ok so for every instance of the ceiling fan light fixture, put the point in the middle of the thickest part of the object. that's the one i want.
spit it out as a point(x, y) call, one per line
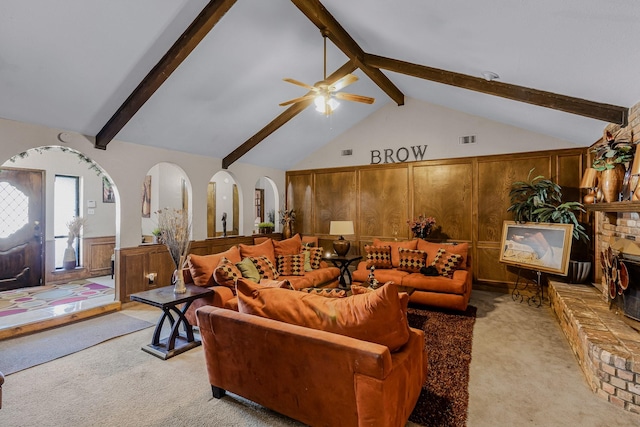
point(325, 104)
point(490, 76)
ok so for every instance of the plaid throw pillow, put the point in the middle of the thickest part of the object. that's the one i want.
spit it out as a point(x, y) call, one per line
point(412, 260)
point(446, 263)
point(315, 256)
point(226, 274)
point(378, 256)
point(290, 265)
point(265, 267)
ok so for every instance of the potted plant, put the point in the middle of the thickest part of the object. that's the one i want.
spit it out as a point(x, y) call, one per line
point(156, 234)
point(539, 199)
point(266, 227)
point(610, 158)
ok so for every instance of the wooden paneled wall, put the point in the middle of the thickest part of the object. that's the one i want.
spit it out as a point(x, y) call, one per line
point(468, 197)
point(96, 260)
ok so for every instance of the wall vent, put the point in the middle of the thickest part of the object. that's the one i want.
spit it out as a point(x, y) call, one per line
point(469, 139)
point(348, 152)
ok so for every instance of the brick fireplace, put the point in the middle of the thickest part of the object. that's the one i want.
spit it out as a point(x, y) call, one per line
point(605, 341)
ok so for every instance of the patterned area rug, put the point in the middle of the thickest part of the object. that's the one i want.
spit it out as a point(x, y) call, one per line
point(22, 300)
point(444, 398)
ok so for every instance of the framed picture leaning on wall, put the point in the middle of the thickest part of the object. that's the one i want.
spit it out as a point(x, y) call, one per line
point(537, 246)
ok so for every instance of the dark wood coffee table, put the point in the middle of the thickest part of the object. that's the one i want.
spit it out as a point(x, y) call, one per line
point(167, 300)
point(343, 262)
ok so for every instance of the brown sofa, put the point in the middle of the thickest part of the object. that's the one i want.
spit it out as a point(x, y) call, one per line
point(437, 291)
point(316, 376)
point(201, 271)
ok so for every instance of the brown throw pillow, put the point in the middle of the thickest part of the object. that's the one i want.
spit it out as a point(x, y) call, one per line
point(326, 292)
point(266, 283)
point(201, 267)
point(263, 249)
point(265, 267)
point(290, 265)
point(412, 260)
point(315, 257)
point(395, 255)
point(378, 316)
point(226, 273)
point(378, 256)
point(289, 246)
point(446, 263)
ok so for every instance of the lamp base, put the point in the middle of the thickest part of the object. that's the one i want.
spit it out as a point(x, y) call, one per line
point(341, 247)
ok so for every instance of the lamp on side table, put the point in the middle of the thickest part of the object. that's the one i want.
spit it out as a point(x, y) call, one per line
point(340, 228)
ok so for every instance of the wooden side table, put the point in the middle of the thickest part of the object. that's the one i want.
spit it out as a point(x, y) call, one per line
point(343, 262)
point(167, 300)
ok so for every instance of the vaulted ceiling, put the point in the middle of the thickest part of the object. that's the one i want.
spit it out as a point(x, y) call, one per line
point(206, 76)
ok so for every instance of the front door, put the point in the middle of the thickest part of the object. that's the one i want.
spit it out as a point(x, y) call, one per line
point(21, 228)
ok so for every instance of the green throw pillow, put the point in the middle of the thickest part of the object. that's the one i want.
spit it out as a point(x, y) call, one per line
point(307, 260)
point(249, 270)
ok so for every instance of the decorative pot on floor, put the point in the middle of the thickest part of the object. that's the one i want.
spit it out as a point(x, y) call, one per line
point(579, 271)
point(69, 258)
point(611, 183)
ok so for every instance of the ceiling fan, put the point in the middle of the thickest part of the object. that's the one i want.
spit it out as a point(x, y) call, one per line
point(324, 94)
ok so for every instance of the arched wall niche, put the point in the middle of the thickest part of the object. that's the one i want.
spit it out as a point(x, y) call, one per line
point(98, 203)
point(266, 202)
point(223, 200)
point(166, 185)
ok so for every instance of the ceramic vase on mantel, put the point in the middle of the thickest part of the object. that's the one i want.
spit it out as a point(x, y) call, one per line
point(611, 183)
point(287, 230)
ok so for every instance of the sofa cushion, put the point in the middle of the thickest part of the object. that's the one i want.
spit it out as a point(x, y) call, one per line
point(248, 270)
point(265, 248)
point(226, 273)
point(290, 265)
point(290, 246)
point(321, 276)
point(378, 256)
point(201, 267)
point(266, 268)
point(440, 284)
point(326, 292)
point(307, 260)
point(381, 275)
point(432, 249)
point(268, 283)
point(395, 255)
point(411, 260)
point(315, 257)
point(375, 317)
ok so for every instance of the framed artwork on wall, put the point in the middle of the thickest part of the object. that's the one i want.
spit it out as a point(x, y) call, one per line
point(146, 197)
point(108, 195)
point(537, 246)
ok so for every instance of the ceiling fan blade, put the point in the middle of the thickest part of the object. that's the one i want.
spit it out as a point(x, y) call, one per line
point(355, 98)
point(299, 83)
point(294, 100)
point(343, 82)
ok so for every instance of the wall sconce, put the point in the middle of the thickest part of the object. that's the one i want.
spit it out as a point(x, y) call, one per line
point(589, 180)
point(340, 228)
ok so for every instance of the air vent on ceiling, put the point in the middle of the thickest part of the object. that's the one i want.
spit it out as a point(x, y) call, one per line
point(469, 139)
point(348, 152)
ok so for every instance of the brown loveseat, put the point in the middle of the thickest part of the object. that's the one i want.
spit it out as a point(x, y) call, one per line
point(205, 270)
point(355, 362)
point(451, 290)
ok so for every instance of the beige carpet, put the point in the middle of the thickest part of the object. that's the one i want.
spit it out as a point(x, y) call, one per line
point(522, 374)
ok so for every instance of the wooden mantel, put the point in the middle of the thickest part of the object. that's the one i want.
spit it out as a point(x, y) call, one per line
point(613, 207)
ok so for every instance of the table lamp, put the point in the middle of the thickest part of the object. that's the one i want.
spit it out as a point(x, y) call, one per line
point(340, 228)
point(589, 181)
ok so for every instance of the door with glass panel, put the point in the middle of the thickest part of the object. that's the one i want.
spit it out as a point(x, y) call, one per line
point(21, 228)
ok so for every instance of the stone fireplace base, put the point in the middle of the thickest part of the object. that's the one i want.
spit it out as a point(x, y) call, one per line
point(608, 350)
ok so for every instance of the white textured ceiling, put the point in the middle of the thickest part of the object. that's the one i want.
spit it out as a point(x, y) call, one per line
point(70, 64)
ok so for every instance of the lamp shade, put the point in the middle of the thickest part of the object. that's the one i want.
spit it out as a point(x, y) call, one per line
point(589, 178)
point(341, 228)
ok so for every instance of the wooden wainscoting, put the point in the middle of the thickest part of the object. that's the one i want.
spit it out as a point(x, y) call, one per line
point(468, 197)
point(96, 260)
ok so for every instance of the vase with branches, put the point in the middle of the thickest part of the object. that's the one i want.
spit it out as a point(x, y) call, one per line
point(175, 231)
point(287, 219)
point(75, 225)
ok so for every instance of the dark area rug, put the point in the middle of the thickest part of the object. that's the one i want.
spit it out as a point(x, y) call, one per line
point(21, 353)
point(444, 398)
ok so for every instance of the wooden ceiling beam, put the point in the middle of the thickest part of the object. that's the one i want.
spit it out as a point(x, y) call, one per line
point(595, 110)
point(283, 118)
point(190, 38)
point(316, 12)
